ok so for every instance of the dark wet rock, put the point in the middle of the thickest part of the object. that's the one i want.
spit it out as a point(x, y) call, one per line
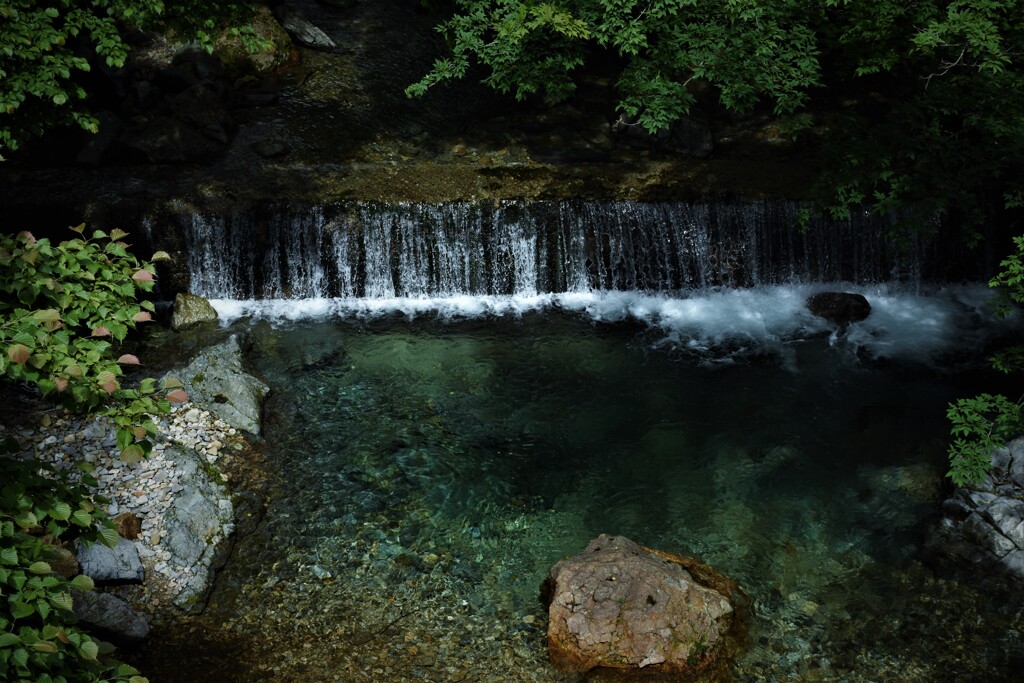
point(304, 31)
point(983, 526)
point(686, 137)
point(165, 140)
point(839, 308)
point(190, 309)
point(215, 379)
point(110, 614)
point(339, 4)
point(271, 147)
point(120, 564)
point(621, 606)
point(198, 524)
point(201, 107)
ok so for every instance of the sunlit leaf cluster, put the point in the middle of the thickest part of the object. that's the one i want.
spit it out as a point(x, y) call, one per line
point(63, 310)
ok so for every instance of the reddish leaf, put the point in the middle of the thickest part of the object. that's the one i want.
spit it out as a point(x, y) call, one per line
point(177, 396)
point(109, 387)
point(142, 316)
point(100, 331)
point(19, 353)
point(128, 359)
point(29, 237)
point(61, 383)
point(139, 432)
point(142, 275)
point(78, 228)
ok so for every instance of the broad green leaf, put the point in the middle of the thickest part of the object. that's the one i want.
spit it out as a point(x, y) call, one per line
point(40, 567)
point(20, 609)
point(83, 582)
point(8, 556)
point(62, 601)
point(60, 511)
point(45, 646)
point(81, 518)
point(8, 639)
point(26, 520)
point(109, 537)
point(89, 650)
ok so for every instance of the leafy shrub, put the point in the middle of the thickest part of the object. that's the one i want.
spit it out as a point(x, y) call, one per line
point(39, 639)
point(60, 306)
point(44, 48)
point(62, 309)
point(987, 421)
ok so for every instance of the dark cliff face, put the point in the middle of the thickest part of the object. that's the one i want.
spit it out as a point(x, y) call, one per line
point(334, 125)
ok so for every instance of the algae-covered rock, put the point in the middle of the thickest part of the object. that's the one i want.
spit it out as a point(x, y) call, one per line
point(189, 310)
point(199, 524)
point(215, 378)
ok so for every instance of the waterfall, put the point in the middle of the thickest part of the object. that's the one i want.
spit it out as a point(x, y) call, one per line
point(382, 251)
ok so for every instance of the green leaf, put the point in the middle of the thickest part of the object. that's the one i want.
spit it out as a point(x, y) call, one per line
point(8, 639)
point(8, 556)
point(109, 537)
point(60, 511)
point(89, 650)
point(82, 582)
point(26, 520)
point(81, 518)
point(62, 601)
point(40, 567)
point(20, 657)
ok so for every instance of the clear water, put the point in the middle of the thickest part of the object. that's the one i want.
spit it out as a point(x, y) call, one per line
point(429, 469)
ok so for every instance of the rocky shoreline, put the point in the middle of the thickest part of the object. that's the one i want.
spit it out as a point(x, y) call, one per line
point(153, 491)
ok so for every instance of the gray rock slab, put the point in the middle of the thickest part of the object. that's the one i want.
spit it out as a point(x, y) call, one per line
point(110, 613)
point(216, 380)
point(198, 524)
point(109, 565)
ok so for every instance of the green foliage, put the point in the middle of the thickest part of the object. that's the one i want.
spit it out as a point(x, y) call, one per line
point(980, 425)
point(39, 638)
point(986, 422)
point(923, 101)
point(746, 50)
point(62, 309)
point(45, 47)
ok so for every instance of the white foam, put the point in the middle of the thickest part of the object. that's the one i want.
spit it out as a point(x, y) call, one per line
point(903, 324)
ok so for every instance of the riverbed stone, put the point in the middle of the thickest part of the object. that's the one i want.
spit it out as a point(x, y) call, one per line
point(215, 378)
point(620, 606)
point(119, 564)
point(111, 614)
point(983, 525)
point(191, 309)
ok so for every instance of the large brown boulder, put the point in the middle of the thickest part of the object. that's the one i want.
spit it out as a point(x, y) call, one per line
point(621, 606)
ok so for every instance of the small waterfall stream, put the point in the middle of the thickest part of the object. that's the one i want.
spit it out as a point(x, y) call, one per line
point(527, 248)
